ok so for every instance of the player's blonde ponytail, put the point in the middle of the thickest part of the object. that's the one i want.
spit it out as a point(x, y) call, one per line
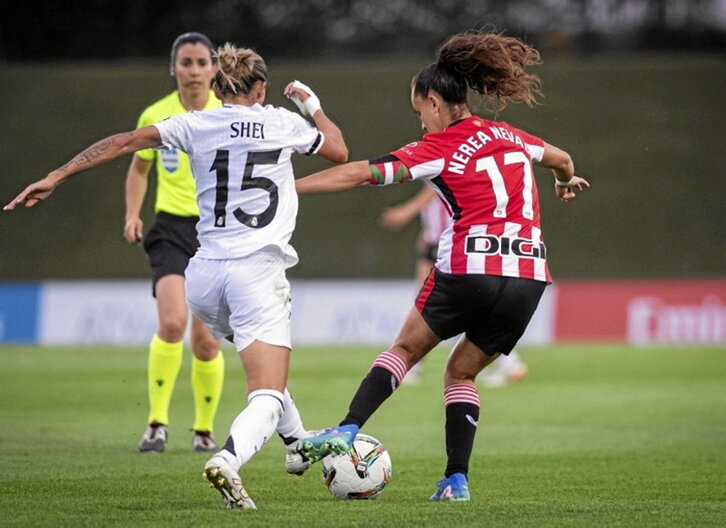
point(238, 69)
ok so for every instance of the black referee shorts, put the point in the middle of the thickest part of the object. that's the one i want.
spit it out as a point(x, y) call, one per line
point(492, 311)
point(169, 245)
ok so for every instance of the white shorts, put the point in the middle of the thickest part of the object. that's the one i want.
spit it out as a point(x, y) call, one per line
point(246, 299)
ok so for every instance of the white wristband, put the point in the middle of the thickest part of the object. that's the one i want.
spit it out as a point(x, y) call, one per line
point(310, 105)
point(562, 184)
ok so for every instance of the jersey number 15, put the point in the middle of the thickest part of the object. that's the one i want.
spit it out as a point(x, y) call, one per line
point(221, 167)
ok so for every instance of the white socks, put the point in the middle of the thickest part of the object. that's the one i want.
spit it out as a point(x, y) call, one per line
point(291, 425)
point(256, 423)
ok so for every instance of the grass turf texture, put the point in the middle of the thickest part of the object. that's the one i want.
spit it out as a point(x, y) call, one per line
point(606, 436)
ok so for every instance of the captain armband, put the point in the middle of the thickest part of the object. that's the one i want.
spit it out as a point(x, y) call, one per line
point(387, 170)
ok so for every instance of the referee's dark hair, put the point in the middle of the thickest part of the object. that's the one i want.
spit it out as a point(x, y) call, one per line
point(192, 37)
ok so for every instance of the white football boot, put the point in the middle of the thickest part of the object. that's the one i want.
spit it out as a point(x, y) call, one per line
point(295, 462)
point(221, 475)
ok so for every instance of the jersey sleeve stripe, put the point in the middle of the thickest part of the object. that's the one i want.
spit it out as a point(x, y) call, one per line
point(536, 152)
point(316, 145)
point(448, 196)
point(427, 170)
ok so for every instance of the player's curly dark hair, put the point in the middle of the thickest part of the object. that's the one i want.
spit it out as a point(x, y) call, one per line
point(238, 69)
point(492, 64)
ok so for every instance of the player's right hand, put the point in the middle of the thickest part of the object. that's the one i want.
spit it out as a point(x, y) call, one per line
point(134, 230)
point(32, 194)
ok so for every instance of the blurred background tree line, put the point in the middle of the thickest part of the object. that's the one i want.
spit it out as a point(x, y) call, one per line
point(634, 90)
point(101, 29)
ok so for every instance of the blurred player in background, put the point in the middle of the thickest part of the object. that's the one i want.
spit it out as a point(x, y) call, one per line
point(235, 283)
point(169, 244)
point(491, 269)
point(435, 218)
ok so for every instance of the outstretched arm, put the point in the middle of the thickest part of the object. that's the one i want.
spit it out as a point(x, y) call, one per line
point(97, 154)
point(381, 171)
point(334, 179)
point(564, 171)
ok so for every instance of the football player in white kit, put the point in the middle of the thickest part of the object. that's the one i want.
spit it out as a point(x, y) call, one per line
point(235, 283)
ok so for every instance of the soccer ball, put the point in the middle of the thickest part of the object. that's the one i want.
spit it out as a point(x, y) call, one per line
point(361, 474)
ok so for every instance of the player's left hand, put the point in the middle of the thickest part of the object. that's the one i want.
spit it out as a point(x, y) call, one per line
point(566, 193)
point(33, 193)
point(303, 96)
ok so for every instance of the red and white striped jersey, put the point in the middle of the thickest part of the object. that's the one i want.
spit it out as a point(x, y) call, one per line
point(482, 170)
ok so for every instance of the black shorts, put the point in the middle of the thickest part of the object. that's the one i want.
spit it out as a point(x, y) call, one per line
point(492, 311)
point(169, 244)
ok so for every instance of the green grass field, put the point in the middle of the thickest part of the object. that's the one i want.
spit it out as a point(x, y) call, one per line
point(595, 436)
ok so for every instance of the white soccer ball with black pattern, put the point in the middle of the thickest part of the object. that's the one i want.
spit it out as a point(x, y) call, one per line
point(361, 474)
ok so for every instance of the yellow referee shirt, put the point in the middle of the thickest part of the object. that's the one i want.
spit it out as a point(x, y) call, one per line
point(175, 193)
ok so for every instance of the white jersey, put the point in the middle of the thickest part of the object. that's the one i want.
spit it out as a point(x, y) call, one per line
point(245, 186)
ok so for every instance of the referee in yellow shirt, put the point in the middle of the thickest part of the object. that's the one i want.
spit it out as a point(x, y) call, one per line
point(169, 244)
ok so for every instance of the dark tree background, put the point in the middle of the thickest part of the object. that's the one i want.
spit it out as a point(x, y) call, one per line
point(634, 91)
point(104, 29)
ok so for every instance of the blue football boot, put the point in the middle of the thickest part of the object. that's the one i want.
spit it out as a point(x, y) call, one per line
point(334, 441)
point(453, 488)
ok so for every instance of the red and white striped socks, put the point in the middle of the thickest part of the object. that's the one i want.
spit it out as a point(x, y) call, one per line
point(462, 420)
point(461, 393)
point(382, 380)
point(393, 364)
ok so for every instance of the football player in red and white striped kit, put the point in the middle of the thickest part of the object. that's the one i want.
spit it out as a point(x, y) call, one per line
point(435, 218)
point(491, 269)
